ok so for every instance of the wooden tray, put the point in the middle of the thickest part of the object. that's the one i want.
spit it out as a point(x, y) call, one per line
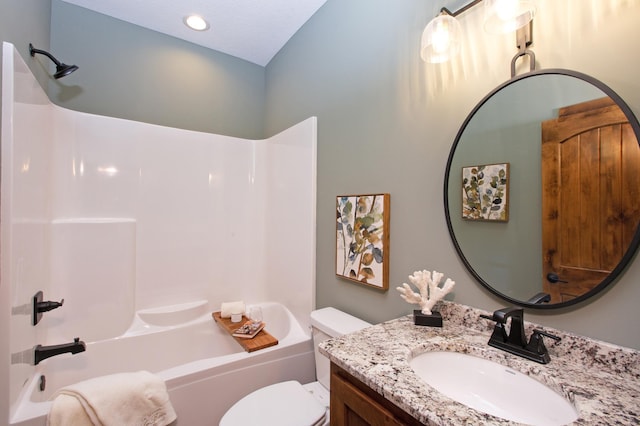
point(261, 341)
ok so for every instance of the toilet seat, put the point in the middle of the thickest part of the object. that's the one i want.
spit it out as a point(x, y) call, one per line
point(281, 404)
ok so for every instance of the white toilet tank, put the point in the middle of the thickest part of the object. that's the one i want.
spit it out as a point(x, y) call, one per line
point(327, 323)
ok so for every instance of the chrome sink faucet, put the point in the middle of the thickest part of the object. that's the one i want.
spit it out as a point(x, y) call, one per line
point(515, 340)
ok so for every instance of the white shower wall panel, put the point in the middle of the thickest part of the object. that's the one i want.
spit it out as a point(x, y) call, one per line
point(26, 206)
point(93, 269)
point(199, 201)
point(31, 196)
point(290, 205)
point(96, 167)
point(236, 192)
point(25, 203)
point(30, 202)
point(195, 203)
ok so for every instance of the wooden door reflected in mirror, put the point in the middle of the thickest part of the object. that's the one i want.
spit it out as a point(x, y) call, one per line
point(590, 181)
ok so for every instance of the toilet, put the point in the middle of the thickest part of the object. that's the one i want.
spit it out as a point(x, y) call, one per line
point(291, 403)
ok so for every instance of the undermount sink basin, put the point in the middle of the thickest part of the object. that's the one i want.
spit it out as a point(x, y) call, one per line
point(493, 388)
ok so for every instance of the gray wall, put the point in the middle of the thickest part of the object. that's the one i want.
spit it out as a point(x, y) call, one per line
point(386, 122)
point(130, 72)
point(21, 22)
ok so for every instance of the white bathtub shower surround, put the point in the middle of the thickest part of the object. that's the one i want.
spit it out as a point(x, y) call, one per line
point(118, 217)
point(208, 209)
point(204, 368)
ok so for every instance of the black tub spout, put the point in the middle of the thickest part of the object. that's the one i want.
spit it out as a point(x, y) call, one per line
point(43, 352)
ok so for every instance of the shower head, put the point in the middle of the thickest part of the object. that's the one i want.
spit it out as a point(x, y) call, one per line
point(61, 69)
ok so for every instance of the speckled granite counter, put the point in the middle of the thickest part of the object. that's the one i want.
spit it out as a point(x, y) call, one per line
point(601, 380)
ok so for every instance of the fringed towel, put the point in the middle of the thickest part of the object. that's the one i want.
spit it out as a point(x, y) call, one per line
point(123, 399)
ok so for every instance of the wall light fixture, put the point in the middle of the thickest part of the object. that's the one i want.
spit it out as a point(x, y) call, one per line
point(442, 37)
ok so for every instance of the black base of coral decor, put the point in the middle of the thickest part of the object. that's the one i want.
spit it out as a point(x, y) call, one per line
point(433, 320)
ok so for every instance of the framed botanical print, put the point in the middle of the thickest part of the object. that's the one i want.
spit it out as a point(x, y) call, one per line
point(485, 192)
point(362, 239)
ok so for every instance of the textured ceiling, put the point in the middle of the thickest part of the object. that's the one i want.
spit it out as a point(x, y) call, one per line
point(253, 30)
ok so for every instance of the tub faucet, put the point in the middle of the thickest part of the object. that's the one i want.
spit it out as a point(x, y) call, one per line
point(515, 340)
point(43, 352)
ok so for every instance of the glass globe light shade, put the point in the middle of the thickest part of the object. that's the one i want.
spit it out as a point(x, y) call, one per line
point(502, 16)
point(441, 39)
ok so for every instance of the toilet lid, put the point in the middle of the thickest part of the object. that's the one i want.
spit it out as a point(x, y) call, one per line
point(282, 404)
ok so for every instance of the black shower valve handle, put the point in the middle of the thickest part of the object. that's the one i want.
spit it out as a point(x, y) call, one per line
point(40, 306)
point(49, 305)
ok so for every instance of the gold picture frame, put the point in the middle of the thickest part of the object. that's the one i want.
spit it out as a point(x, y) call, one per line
point(362, 239)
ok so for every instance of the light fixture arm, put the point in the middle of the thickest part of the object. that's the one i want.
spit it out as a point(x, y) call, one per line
point(524, 39)
point(461, 10)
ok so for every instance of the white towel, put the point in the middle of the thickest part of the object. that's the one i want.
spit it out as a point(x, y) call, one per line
point(123, 399)
point(228, 308)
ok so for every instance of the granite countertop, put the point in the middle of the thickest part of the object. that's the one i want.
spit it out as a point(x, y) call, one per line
point(600, 379)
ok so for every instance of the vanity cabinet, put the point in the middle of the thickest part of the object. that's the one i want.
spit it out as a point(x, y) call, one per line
point(355, 404)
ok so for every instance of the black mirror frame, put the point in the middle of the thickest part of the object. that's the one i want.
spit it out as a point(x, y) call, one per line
point(633, 246)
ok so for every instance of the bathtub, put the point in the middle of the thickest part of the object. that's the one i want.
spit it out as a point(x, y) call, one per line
point(204, 368)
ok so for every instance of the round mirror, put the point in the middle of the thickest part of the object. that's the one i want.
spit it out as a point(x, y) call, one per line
point(541, 189)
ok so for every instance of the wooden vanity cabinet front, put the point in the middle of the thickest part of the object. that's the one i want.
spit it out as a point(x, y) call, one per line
point(355, 404)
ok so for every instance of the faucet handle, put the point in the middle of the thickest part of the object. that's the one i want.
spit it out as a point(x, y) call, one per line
point(501, 315)
point(536, 343)
point(538, 331)
point(499, 332)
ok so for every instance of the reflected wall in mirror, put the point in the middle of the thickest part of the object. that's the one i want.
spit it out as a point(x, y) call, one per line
point(574, 162)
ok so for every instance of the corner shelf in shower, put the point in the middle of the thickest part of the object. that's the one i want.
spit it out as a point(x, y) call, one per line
point(261, 341)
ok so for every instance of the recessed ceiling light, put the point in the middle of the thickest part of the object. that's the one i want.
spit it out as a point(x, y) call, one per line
point(196, 22)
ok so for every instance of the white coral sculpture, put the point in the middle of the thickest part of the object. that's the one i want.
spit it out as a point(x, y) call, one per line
point(428, 285)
